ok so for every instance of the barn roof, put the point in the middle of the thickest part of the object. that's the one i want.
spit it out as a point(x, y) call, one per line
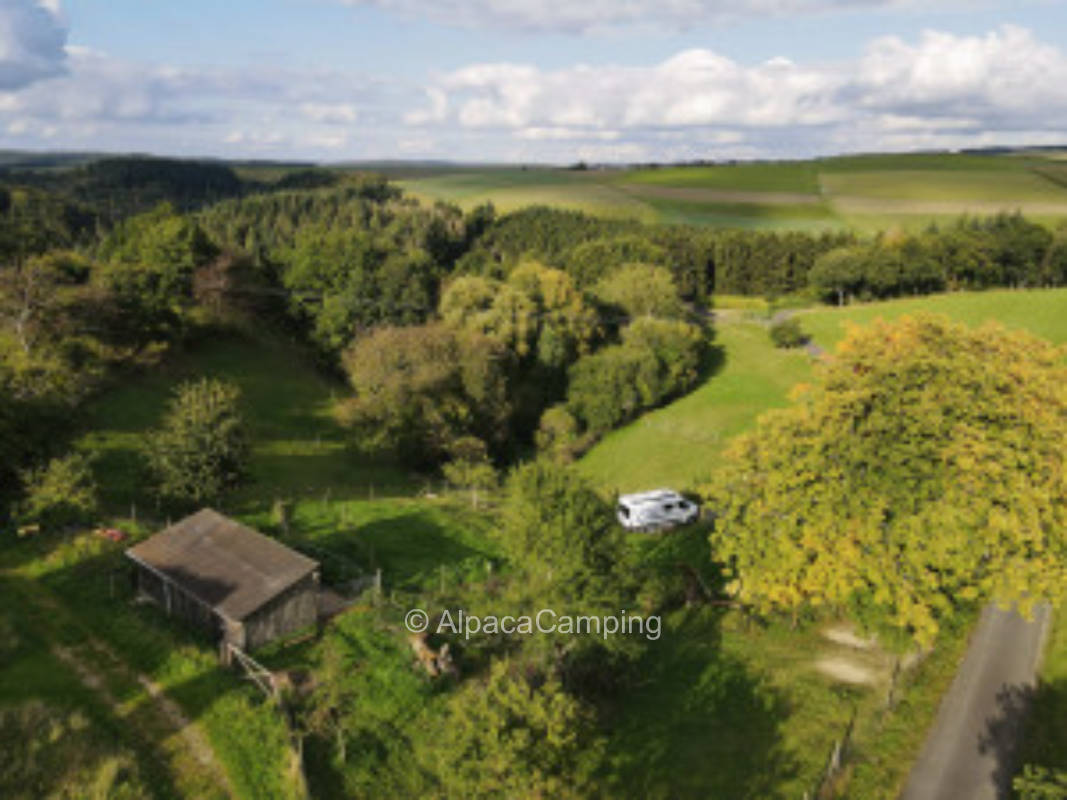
point(222, 563)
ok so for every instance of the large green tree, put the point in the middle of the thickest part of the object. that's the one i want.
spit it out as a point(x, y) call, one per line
point(562, 541)
point(419, 388)
point(926, 467)
point(641, 290)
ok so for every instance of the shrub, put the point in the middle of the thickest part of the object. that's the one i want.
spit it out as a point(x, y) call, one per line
point(657, 359)
point(470, 467)
point(61, 493)
point(788, 333)
point(557, 434)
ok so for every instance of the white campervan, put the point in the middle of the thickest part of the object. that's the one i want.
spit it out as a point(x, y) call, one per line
point(649, 511)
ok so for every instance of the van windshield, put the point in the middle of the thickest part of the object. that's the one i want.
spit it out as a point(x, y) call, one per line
point(624, 511)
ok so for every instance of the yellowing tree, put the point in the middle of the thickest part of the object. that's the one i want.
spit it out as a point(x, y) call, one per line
point(924, 468)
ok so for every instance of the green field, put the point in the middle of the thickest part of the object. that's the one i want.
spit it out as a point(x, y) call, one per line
point(786, 176)
point(509, 189)
point(865, 193)
point(1045, 738)
point(680, 444)
point(299, 449)
point(1041, 311)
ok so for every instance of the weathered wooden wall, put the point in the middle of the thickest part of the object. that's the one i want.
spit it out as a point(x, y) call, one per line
point(293, 609)
point(176, 603)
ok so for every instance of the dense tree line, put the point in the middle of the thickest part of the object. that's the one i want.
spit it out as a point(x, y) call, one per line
point(119, 187)
point(702, 261)
point(1006, 250)
point(348, 258)
point(506, 353)
point(33, 221)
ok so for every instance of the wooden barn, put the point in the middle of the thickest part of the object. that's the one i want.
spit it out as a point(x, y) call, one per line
point(236, 583)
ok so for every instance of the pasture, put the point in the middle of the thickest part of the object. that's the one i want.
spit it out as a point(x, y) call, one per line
point(298, 450)
point(864, 193)
point(510, 189)
point(679, 445)
point(1043, 312)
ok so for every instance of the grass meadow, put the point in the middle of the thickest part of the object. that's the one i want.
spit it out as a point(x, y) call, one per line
point(298, 447)
point(680, 445)
point(1045, 735)
point(1043, 312)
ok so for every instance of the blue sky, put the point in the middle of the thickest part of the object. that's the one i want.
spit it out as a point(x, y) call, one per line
point(531, 80)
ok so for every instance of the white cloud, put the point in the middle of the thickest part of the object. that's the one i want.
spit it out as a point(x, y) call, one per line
point(570, 17)
point(935, 90)
point(192, 109)
point(32, 37)
point(325, 141)
point(942, 87)
point(694, 88)
point(1007, 69)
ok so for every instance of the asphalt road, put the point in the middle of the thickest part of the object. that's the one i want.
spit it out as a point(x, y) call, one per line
point(969, 753)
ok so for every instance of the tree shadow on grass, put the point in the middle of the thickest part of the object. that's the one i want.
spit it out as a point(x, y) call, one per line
point(713, 361)
point(699, 724)
point(409, 547)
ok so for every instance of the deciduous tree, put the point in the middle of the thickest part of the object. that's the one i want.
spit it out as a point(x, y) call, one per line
point(201, 449)
point(516, 737)
point(927, 467)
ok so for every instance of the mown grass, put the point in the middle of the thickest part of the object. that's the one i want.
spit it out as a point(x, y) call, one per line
point(681, 444)
point(1043, 312)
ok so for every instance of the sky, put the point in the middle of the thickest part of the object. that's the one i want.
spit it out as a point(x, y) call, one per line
point(530, 81)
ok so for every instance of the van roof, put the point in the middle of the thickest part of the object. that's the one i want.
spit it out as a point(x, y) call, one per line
point(654, 496)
